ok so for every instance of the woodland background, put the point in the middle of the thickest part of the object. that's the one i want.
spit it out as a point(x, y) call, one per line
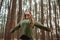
point(46, 12)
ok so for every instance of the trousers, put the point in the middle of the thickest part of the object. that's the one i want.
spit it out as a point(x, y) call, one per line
point(24, 37)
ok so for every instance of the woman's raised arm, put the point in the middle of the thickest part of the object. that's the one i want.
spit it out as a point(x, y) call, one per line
point(39, 25)
point(15, 28)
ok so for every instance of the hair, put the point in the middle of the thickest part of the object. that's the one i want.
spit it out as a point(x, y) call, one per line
point(31, 17)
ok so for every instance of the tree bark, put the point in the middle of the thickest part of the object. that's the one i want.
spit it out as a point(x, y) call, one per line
point(56, 26)
point(30, 4)
point(7, 25)
point(42, 21)
point(36, 36)
point(1, 4)
point(10, 20)
point(58, 2)
point(50, 18)
point(19, 17)
point(47, 33)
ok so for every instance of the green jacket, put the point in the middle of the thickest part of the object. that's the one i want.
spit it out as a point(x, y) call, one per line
point(26, 27)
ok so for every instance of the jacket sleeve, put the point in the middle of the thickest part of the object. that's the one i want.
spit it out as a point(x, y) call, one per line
point(39, 25)
point(15, 28)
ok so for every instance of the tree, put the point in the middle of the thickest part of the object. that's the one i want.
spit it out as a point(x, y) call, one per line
point(56, 26)
point(30, 4)
point(7, 25)
point(36, 36)
point(50, 18)
point(1, 4)
point(47, 33)
point(58, 2)
point(19, 16)
point(42, 21)
point(10, 20)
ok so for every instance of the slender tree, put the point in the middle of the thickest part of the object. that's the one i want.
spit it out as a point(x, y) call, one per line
point(10, 20)
point(19, 17)
point(7, 25)
point(58, 23)
point(39, 16)
point(47, 33)
point(13, 13)
point(36, 37)
point(30, 4)
point(50, 17)
point(58, 2)
point(57, 15)
point(42, 21)
point(1, 4)
point(56, 26)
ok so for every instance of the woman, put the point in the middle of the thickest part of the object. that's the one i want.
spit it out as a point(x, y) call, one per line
point(26, 25)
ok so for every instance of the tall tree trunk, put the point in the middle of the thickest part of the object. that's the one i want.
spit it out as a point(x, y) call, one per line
point(10, 20)
point(19, 17)
point(58, 2)
point(58, 23)
point(4, 20)
point(50, 18)
point(56, 26)
point(30, 4)
point(13, 13)
point(39, 16)
point(1, 4)
point(42, 21)
point(47, 33)
point(57, 15)
point(20, 11)
point(7, 29)
point(36, 36)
